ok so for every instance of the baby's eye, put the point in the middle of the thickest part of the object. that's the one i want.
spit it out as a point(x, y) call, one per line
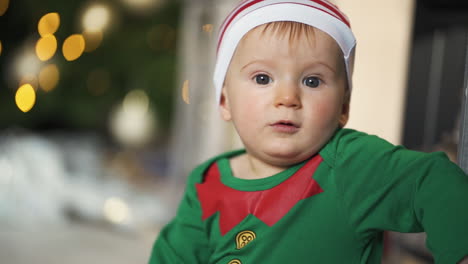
point(312, 81)
point(262, 79)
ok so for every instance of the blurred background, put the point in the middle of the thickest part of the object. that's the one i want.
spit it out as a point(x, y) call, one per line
point(106, 106)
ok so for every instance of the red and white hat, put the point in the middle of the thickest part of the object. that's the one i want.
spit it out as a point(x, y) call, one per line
point(249, 14)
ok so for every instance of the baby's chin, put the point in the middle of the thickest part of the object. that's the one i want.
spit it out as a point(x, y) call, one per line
point(286, 158)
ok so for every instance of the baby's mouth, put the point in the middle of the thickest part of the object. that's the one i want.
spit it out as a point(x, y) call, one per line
point(286, 123)
point(285, 126)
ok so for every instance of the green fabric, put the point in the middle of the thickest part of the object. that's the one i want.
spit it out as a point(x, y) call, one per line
point(369, 186)
point(256, 184)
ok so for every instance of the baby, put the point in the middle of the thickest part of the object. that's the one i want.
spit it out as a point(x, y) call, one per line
point(304, 189)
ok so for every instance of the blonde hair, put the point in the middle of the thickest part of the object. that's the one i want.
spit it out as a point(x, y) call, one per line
point(289, 28)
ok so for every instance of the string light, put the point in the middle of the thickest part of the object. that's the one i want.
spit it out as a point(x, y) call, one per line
point(73, 47)
point(49, 77)
point(46, 47)
point(25, 97)
point(48, 24)
point(96, 18)
point(132, 122)
point(116, 210)
point(26, 63)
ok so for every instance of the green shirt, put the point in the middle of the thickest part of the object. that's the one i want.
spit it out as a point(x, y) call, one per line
point(361, 186)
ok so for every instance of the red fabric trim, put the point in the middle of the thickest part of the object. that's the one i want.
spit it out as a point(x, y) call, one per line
point(269, 205)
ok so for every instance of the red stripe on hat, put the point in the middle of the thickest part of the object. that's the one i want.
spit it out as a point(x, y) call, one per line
point(239, 10)
point(335, 10)
point(245, 4)
point(336, 13)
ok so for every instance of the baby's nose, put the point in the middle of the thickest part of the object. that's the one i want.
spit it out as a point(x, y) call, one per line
point(288, 95)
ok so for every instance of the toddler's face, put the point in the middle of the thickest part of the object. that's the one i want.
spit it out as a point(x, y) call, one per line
point(286, 97)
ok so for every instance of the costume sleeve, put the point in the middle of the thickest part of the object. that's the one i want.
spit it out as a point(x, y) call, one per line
point(184, 239)
point(441, 206)
point(387, 187)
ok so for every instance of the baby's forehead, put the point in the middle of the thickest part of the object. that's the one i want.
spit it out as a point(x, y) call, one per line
point(295, 33)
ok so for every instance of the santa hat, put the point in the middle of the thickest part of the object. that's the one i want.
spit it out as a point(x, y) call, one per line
point(249, 14)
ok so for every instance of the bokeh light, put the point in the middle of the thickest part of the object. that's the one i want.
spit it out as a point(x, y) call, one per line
point(46, 47)
point(143, 6)
point(25, 97)
point(116, 210)
point(92, 40)
point(96, 18)
point(136, 99)
point(208, 28)
point(99, 81)
point(186, 92)
point(73, 47)
point(3, 6)
point(49, 77)
point(48, 24)
point(26, 63)
point(132, 123)
point(1, 47)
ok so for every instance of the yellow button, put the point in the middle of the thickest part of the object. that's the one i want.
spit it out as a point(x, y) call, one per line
point(235, 261)
point(244, 238)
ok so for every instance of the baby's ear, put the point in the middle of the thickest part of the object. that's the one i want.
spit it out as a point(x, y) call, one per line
point(224, 107)
point(344, 115)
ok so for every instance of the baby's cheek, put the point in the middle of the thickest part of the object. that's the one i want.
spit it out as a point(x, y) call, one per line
point(247, 112)
point(327, 113)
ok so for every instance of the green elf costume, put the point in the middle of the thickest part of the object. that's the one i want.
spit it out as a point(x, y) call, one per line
point(332, 208)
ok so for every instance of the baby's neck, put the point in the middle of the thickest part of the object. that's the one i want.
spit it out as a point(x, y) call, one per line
point(247, 167)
